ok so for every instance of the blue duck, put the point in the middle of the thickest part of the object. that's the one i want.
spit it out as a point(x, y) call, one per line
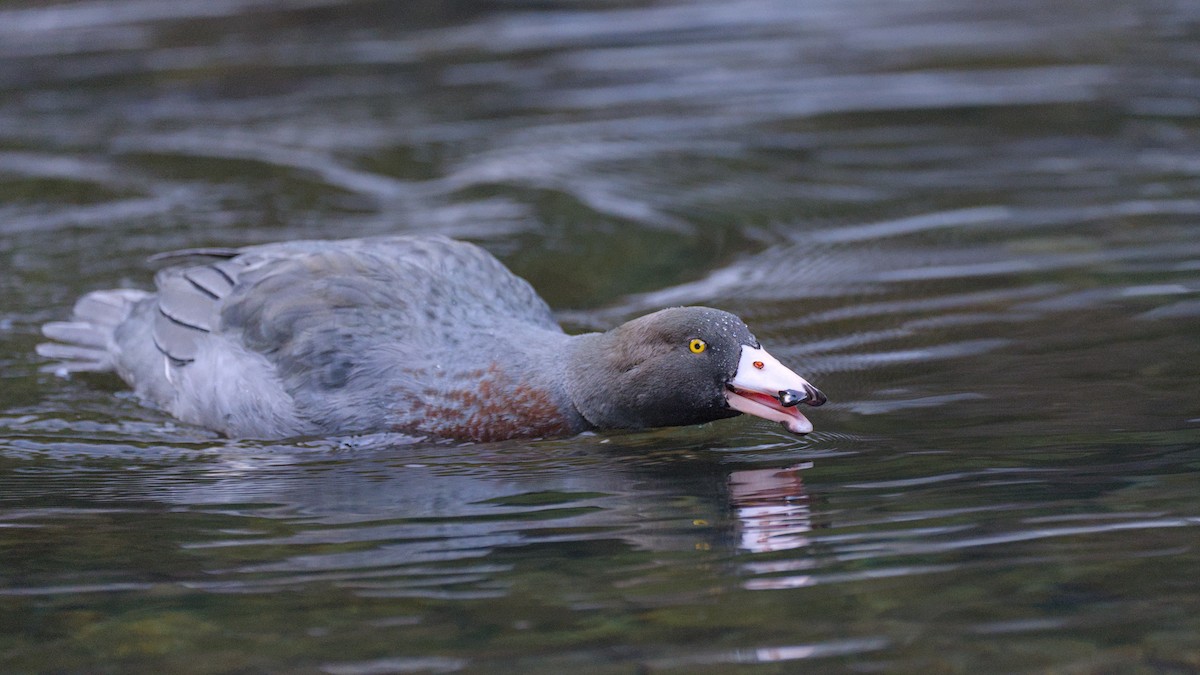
point(418, 334)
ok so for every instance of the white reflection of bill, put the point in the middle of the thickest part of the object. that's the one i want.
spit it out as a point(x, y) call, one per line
point(772, 508)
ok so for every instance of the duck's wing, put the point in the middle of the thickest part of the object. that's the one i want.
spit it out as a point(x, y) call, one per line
point(322, 311)
point(421, 288)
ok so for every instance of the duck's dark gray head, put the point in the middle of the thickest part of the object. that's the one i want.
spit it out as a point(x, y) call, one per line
point(684, 365)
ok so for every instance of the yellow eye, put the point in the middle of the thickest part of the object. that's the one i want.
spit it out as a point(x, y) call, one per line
point(697, 345)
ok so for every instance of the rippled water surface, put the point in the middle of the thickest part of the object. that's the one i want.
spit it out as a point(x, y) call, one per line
point(975, 227)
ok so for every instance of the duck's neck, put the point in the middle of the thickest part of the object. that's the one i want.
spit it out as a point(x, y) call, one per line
point(588, 370)
point(607, 384)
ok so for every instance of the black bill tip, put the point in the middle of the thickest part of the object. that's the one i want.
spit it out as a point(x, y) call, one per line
point(811, 395)
point(790, 397)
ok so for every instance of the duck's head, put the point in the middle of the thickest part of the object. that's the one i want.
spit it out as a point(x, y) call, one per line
point(684, 365)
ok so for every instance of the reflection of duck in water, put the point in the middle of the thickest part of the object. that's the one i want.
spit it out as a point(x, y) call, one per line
point(772, 508)
point(401, 519)
point(418, 334)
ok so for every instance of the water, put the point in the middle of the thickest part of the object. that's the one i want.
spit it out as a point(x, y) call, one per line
point(976, 229)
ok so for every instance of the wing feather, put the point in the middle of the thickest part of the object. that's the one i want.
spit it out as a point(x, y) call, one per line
point(189, 306)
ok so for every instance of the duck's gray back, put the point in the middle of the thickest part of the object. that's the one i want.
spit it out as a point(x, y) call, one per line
point(428, 290)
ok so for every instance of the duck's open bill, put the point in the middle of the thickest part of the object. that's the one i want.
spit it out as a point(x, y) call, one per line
point(764, 387)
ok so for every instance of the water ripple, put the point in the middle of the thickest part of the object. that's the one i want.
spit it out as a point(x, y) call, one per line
point(397, 665)
point(910, 548)
point(981, 215)
point(775, 654)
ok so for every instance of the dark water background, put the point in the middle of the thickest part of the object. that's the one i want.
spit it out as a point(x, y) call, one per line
point(976, 226)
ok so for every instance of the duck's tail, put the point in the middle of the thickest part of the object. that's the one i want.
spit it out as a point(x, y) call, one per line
point(85, 343)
